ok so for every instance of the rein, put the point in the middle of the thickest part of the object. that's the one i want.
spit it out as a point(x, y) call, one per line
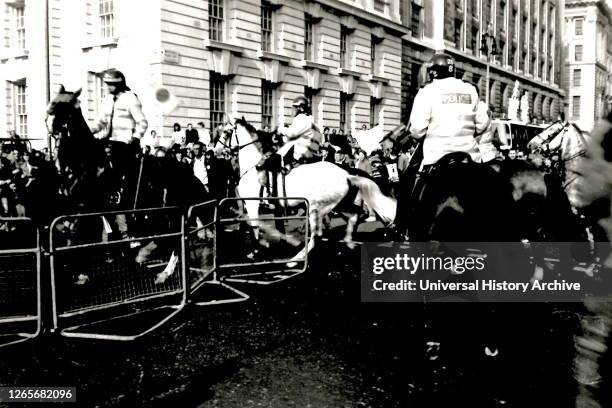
point(236, 150)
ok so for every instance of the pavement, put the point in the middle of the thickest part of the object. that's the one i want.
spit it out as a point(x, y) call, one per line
point(311, 342)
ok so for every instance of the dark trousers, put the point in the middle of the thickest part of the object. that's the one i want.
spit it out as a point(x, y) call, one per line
point(123, 159)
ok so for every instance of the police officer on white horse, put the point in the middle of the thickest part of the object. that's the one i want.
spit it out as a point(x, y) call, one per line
point(303, 139)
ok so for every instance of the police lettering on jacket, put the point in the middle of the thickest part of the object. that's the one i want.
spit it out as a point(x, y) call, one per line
point(446, 112)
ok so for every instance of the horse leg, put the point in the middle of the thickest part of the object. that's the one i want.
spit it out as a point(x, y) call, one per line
point(350, 227)
point(313, 217)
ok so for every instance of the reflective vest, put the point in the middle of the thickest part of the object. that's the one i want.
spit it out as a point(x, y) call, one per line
point(445, 111)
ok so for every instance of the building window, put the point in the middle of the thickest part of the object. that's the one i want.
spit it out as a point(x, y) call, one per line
point(415, 20)
point(374, 54)
point(343, 51)
point(577, 77)
point(217, 100)
point(374, 111)
point(373, 51)
point(576, 107)
point(266, 28)
point(457, 32)
point(308, 38)
point(343, 111)
point(501, 52)
point(578, 53)
point(97, 93)
point(309, 94)
point(543, 70)
point(215, 20)
point(474, 40)
point(19, 109)
point(379, 5)
point(267, 105)
point(20, 32)
point(551, 73)
point(107, 18)
point(578, 26)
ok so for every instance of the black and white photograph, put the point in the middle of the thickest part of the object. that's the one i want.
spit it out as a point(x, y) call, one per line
point(306, 203)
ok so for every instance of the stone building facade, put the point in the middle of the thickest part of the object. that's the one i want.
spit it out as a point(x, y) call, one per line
point(527, 37)
point(587, 74)
point(217, 57)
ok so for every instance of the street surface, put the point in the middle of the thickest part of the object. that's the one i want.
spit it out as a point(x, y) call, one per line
point(310, 342)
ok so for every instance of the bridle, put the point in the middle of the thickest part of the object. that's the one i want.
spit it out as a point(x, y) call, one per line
point(235, 150)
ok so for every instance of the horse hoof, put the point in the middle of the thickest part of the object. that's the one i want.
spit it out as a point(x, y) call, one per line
point(350, 244)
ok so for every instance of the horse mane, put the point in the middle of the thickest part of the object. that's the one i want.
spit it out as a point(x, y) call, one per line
point(243, 122)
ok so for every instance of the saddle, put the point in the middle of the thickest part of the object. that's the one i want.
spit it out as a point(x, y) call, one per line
point(423, 191)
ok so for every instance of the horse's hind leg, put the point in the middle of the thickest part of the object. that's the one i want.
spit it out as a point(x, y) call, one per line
point(313, 218)
point(350, 227)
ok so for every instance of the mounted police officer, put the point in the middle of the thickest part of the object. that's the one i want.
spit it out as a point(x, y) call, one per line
point(447, 117)
point(446, 113)
point(302, 137)
point(121, 121)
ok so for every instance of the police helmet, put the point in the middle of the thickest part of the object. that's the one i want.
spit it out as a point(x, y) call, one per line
point(112, 76)
point(301, 104)
point(442, 66)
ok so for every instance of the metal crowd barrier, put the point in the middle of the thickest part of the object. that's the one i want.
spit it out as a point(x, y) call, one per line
point(120, 275)
point(20, 288)
point(234, 252)
point(105, 285)
point(205, 286)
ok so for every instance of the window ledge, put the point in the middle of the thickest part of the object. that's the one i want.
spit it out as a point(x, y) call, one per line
point(14, 54)
point(217, 45)
point(348, 72)
point(377, 78)
point(100, 42)
point(314, 65)
point(266, 55)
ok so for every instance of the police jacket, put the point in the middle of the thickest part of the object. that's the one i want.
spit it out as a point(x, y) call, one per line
point(445, 113)
point(306, 138)
point(125, 112)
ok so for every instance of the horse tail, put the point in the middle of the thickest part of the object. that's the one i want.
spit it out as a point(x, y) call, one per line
point(384, 206)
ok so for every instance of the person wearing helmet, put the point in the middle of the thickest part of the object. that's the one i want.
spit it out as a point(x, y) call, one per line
point(303, 138)
point(446, 113)
point(121, 118)
point(123, 124)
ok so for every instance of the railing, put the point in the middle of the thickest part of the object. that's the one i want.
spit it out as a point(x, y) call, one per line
point(20, 285)
point(113, 266)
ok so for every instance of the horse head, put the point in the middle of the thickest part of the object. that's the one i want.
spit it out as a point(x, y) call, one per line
point(62, 109)
point(596, 169)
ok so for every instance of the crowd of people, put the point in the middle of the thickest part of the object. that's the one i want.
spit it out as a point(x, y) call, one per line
point(123, 125)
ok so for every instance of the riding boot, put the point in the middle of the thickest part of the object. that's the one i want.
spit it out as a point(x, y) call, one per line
point(416, 219)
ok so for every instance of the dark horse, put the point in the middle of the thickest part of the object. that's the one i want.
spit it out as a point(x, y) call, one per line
point(464, 201)
point(91, 184)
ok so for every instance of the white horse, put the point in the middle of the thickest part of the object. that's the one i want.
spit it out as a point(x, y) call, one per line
point(568, 141)
point(324, 185)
